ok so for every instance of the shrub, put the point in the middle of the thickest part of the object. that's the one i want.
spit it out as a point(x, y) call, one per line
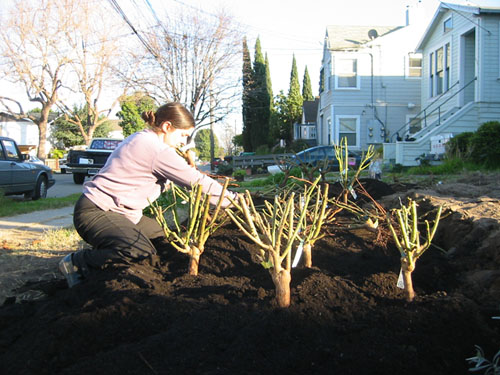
point(225, 169)
point(56, 154)
point(459, 146)
point(486, 144)
point(239, 174)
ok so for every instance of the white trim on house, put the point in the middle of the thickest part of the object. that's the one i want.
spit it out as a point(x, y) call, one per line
point(408, 58)
point(341, 66)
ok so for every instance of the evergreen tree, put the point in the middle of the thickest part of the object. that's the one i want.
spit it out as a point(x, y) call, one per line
point(246, 99)
point(306, 87)
point(261, 103)
point(131, 109)
point(294, 102)
point(202, 141)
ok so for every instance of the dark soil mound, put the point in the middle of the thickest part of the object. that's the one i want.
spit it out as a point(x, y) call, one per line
point(347, 316)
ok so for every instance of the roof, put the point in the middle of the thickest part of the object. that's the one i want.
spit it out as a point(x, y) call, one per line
point(310, 110)
point(342, 37)
point(444, 7)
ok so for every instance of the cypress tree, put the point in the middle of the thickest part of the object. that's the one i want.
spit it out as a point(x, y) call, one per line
point(246, 99)
point(294, 101)
point(261, 100)
point(306, 87)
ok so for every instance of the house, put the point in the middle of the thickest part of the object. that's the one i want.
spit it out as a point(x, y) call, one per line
point(369, 83)
point(306, 129)
point(460, 87)
point(23, 131)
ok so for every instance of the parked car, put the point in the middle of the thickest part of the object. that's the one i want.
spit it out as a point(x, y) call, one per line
point(315, 155)
point(83, 163)
point(20, 176)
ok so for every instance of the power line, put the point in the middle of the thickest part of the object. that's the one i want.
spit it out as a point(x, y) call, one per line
point(129, 23)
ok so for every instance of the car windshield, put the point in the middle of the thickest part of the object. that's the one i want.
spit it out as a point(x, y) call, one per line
point(105, 144)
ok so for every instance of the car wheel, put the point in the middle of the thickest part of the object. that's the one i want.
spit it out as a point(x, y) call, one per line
point(78, 178)
point(40, 188)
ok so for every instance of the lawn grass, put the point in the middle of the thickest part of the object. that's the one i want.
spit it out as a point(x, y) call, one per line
point(11, 206)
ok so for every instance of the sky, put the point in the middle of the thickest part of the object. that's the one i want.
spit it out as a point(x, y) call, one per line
point(297, 27)
point(292, 27)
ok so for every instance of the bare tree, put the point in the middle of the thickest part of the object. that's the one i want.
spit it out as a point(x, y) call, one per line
point(33, 56)
point(226, 137)
point(193, 58)
point(96, 45)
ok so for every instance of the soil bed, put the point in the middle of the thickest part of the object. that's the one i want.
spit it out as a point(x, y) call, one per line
point(347, 315)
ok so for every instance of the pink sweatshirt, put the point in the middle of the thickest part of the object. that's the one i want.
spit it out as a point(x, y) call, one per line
point(138, 170)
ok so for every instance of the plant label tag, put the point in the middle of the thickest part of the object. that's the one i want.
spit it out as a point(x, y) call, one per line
point(401, 282)
point(353, 193)
point(298, 254)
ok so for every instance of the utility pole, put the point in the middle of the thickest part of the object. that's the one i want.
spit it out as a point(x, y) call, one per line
point(212, 140)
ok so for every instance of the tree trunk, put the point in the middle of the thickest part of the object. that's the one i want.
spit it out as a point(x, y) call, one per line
point(194, 260)
point(42, 132)
point(281, 280)
point(407, 270)
point(307, 253)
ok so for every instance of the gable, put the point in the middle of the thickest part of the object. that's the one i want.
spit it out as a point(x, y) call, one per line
point(345, 37)
point(470, 12)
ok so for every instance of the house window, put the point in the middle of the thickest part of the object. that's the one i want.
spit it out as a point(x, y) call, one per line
point(414, 65)
point(439, 72)
point(312, 132)
point(348, 127)
point(447, 25)
point(431, 74)
point(346, 74)
point(447, 63)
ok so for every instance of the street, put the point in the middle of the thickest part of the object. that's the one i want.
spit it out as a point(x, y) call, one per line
point(64, 186)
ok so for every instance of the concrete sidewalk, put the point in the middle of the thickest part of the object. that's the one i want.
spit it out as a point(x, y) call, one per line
point(31, 225)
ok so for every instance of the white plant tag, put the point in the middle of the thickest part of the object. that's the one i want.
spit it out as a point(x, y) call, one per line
point(298, 254)
point(353, 193)
point(401, 282)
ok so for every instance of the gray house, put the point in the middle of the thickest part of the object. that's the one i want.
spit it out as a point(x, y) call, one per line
point(370, 83)
point(460, 87)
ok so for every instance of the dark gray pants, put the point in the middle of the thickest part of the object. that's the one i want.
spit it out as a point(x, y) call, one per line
point(115, 239)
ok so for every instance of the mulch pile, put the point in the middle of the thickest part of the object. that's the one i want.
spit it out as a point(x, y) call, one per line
point(347, 315)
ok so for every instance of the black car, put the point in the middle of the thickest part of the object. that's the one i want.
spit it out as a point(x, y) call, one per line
point(20, 176)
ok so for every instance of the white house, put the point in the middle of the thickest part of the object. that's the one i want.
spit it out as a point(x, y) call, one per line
point(460, 78)
point(24, 132)
point(370, 83)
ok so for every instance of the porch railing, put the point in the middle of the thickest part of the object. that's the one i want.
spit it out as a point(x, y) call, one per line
point(426, 113)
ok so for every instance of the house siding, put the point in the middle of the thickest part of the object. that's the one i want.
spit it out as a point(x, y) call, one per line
point(490, 64)
point(385, 96)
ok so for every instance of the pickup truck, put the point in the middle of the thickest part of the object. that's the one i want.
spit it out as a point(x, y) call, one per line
point(88, 162)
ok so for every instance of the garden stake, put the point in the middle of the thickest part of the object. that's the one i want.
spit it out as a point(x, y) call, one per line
point(409, 245)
